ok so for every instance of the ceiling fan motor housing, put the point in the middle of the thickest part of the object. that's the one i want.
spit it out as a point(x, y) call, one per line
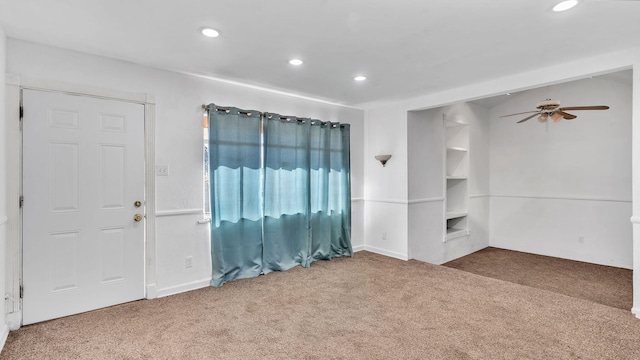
point(548, 104)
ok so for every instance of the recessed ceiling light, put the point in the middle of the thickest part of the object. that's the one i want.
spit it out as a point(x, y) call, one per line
point(295, 62)
point(565, 5)
point(209, 32)
point(360, 78)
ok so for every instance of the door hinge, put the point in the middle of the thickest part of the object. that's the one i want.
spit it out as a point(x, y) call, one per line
point(21, 291)
point(21, 201)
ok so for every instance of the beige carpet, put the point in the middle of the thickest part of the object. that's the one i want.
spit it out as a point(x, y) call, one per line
point(366, 307)
point(602, 284)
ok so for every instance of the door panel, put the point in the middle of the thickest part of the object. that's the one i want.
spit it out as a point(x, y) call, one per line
point(83, 161)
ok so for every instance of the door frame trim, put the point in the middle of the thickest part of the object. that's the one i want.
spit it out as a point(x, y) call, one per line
point(14, 85)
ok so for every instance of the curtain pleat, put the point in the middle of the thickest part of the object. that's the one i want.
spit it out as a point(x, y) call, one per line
point(236, 188)
point(342, 247)
point(331, 200)
point(286, 193)
point(279, 203)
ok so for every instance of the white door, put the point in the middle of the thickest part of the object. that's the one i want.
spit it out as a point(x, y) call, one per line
point(83, 161)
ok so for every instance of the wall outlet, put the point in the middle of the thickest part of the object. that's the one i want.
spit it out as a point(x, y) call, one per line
point(188, 261)
point(162, 170)
point(581, 239)
point(384, 235)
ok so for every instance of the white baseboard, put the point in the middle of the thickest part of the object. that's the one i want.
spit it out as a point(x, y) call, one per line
point(388, 253)
point(358, 248)
point(3, 336)
point(14, 320)
point(152, 291)
point(194, 285)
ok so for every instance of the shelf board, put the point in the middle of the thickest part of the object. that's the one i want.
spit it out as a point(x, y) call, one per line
point(457, 149)
point(455, 214)
point(452, 123)
point(454, 233)
point(452, 177)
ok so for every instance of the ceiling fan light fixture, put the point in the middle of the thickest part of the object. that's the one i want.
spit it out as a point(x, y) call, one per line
point(556, 117)
point(565, 5)
point(543, 117)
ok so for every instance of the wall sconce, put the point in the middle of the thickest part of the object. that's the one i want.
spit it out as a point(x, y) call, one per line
point(383, 159)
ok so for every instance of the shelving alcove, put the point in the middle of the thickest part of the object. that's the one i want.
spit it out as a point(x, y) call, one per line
point(457, 181)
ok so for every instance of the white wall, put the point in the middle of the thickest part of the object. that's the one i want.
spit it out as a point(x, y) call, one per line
point(178, 143)
point(426, 153)
point(564, 189)
point(385, 123)
point(4, 330)
point(563, 193)
point(385, 188)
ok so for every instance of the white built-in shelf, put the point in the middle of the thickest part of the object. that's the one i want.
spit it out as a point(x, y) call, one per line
point(454, 148)
point(456, 228)
point(455, 214)
point(456, 175)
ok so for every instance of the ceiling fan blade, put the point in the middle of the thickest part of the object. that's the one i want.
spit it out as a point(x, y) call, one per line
point(565, 115)
point(598, 107)
point(543, 118)
point(528, 117)
point(526, 112)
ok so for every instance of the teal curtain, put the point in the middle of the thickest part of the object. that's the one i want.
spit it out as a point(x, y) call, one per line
point(280, 197)
point(331, 190)
point(286, 193)
point(235, 188)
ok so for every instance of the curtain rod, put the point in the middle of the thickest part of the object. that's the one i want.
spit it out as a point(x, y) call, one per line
point(269, 115)
point(206, 107)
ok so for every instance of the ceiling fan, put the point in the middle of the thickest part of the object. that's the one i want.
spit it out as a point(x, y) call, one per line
point(551, 109)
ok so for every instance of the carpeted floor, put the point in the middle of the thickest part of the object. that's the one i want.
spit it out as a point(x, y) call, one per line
point(602, 284)
point(366, 307)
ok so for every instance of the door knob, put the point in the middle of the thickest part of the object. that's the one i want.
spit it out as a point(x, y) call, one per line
point(137, 203)
point(137, 217)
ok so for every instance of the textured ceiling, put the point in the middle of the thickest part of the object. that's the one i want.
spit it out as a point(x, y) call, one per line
point(406, 48)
